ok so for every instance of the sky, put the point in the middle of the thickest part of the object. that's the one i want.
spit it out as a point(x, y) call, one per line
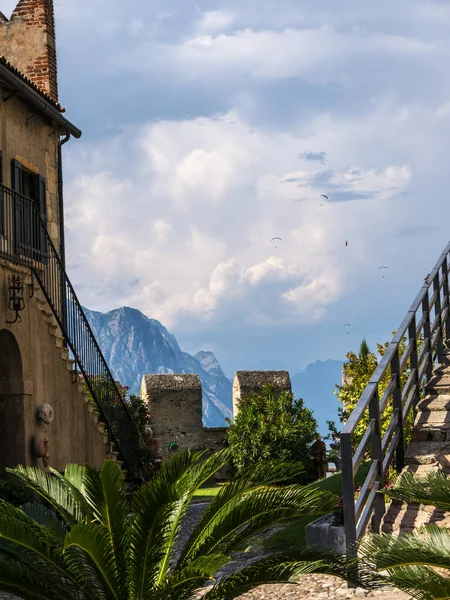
point(211, 127)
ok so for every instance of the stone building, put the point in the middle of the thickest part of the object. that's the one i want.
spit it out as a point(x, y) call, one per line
point(45, 415)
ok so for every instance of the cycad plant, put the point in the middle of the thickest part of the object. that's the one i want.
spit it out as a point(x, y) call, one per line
point(85, 541)
point(419, 562)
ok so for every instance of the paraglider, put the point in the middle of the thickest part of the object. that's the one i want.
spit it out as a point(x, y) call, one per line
point(381, 268)
point(347, 325)
point(323, 196)
point(276, 239)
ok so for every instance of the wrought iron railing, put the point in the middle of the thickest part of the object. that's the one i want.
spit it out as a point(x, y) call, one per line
point(426, 328)
point(24, 240)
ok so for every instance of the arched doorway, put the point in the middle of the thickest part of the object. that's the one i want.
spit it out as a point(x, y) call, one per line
point(12, 425)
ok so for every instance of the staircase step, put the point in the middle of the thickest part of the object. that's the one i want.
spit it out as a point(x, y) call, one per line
point(427, 453)
point(59, 341)
point(421, 470)
point(432, 433)
point(404, 518)
point(434, 402)
point(432, 426)
point(435, 417)
point(69, 364)
point(439, 384)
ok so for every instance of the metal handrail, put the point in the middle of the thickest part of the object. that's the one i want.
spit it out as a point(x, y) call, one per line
point(24, 240)
point(390, 445)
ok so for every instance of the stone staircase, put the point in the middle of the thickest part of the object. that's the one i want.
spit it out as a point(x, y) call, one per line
point(55, 331)
point(428, 451)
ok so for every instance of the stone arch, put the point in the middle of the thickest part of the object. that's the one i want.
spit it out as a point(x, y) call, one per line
point(12, 417)
point(10, 358)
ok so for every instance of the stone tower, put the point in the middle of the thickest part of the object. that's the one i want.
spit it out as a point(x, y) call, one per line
point(27, 41)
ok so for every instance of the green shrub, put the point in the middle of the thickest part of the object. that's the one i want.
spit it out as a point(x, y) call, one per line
point(15, 492)
point(272, 426)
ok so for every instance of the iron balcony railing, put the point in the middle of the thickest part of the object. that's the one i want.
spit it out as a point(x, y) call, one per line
point(24, 240)
point(426, 326)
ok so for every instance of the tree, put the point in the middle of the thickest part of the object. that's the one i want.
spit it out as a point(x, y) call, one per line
point(334, 454)
point(358, 371)
point(89, 543)
point(417, 563)
point(272, 425)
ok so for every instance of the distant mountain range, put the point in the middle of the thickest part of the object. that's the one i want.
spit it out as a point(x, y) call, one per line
point(134, 345)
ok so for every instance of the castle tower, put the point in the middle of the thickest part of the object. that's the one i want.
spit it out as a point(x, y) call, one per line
point(27, 41)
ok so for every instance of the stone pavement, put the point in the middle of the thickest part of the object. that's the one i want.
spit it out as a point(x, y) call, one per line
point(319, 587)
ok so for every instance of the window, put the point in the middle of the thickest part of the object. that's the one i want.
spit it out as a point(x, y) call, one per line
point(29, 229)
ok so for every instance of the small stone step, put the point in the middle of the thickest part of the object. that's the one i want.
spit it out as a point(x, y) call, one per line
point(427, 453)
point(434, 402)
point(69, 364)
point(101, 427)
point(440, 384)
point(59, 341)
point(421, 470)
point(64, 353)
point(432, 433)
point(404, 518)
point(435, 417)
point(432, 426)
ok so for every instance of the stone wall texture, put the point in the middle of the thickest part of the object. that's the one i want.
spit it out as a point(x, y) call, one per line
point(33, 372)
point(34, 143)
point(175, 403)
point(27, 41)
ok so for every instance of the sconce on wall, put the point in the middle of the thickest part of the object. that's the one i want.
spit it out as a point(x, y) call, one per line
point(16, 301)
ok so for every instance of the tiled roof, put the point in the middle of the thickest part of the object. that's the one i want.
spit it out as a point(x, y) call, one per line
point(30, 83)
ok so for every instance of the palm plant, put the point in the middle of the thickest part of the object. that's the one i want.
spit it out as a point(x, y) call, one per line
point(419, 562)
point(87, 542)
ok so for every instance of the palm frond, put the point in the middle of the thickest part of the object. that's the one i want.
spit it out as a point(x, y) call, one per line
point(45, 517)
point(429, 546)
point(25, 583)
point(422, 583)
point(158, 508)
point(433, 490)
point(90, 559)
point(34, 541)
point(105, 492)
point(181, 584)
point(285, 568)
point(242, 511)
point(53, 489)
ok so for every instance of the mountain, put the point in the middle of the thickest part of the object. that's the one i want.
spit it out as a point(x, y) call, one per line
point(134, 345)
point(316, 385)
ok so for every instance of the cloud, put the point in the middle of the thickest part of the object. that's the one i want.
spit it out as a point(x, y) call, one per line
point(190, 165)
point(314, 156)
point(215, 21)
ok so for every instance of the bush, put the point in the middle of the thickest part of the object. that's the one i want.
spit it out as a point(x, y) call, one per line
point(15, 492)
point(271, 425)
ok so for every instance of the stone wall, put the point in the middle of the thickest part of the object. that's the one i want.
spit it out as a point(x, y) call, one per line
point(252, 381)
point(33, 372)
point(27, 41)
point(34, 143)
point(175, 403)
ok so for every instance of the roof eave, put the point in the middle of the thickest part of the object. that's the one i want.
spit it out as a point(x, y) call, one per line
point(37, 101)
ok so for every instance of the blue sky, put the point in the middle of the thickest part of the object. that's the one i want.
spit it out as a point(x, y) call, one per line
point(211, 127)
